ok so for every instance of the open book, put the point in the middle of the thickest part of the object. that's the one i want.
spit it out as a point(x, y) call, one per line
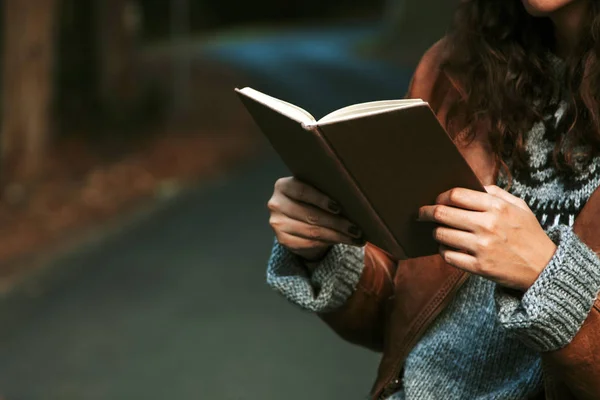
point(353, 111)
point(379, 160)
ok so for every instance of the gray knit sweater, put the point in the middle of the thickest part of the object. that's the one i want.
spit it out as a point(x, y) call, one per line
point(486, 344)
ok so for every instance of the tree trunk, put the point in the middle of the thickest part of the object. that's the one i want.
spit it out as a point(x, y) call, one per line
point(182, 63)
point(76, 78)
point(116, 44)
point(29, 44)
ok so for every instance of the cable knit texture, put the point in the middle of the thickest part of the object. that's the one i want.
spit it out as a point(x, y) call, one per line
point(465, 354)
point(486, 343)
point(551, 312)
point(327, 288)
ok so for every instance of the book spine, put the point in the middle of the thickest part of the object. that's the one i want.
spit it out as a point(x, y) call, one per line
point(396, 250)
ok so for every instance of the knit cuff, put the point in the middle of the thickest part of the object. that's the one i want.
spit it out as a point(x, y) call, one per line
point(329, 286)
point(551, 312)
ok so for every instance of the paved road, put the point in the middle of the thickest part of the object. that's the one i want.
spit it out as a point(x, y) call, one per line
point(176, 307)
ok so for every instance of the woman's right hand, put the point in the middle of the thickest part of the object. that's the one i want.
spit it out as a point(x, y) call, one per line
point(307, 222)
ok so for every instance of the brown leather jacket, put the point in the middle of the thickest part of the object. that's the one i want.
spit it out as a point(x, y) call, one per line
point(395, 302)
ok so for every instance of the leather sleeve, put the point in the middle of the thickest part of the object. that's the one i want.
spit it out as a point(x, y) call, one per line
point(577, 365)
point(574, 370)
point(361, 319)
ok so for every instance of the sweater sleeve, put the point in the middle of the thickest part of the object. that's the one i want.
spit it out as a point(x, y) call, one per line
point(327, 288)
point(549, 315)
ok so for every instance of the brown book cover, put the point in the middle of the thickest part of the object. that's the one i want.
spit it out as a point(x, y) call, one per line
point(380, 161)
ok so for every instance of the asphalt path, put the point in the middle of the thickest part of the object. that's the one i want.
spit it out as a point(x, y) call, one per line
point(176, 305)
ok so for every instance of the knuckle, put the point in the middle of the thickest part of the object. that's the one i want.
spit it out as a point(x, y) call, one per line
point(315, 232)
point(439, 213)
point(282, 241)
point(438, 234)
point(446, 256)
point(312, 219)
point(280, 184)
point(482, 268)
point(275, 222)
point(490, 223)
point(285, 184)
point(484, 244)
point(454, 195)
point(273, 204)
point(499, 206)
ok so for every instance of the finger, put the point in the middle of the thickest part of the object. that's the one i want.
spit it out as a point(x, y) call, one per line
point(306, 193)
point(504, 195)
point(317, 233)
point(466, 198)
point(458, 259)
point(296, 243)
point(313, 215)
point(454, 238)
point(307, 249)
point(453, 217)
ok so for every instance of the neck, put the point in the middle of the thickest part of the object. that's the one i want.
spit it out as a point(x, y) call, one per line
point(567, 26)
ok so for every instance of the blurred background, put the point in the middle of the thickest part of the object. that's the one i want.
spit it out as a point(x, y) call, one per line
point(133, 185)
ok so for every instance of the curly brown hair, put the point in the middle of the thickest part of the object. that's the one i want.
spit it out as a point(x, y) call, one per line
point(497, 56)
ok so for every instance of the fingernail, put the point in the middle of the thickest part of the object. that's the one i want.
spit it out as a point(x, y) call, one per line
point(333, 206)
point(354, 231)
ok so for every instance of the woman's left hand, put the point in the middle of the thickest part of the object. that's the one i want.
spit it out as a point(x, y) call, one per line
point(492, 234)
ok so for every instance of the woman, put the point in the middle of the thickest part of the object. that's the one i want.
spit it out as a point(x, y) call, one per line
point(508, 308)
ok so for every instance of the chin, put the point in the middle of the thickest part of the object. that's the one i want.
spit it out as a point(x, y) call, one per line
point(542, 8)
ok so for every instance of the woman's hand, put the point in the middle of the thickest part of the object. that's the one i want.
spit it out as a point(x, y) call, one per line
point(492, 234)
point(306, 221)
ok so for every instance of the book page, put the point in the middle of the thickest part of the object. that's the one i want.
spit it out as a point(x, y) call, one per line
point(359, 110)
point(294, 112)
